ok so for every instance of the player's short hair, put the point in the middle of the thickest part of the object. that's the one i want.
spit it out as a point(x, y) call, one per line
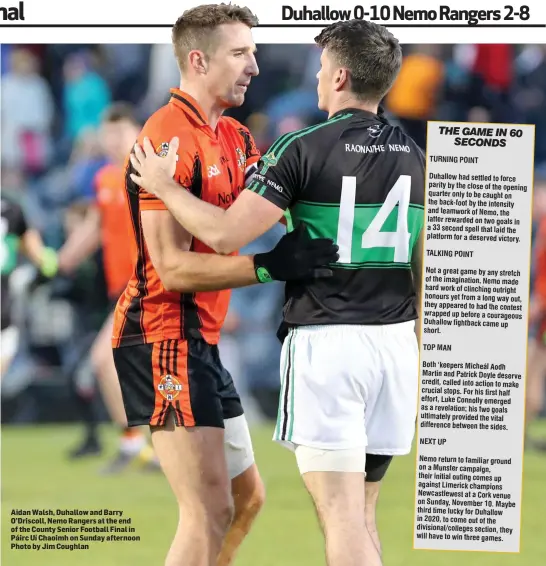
point(371, 54)
point(195, 28)
point(119, 112)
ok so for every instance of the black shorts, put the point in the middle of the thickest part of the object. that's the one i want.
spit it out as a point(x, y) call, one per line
point(182, 376)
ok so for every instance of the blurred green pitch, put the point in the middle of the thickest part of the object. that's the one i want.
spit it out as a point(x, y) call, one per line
point(35, 474)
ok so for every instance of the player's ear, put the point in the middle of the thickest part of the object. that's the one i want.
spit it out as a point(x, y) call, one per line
point(198, 61)
point(341, 78)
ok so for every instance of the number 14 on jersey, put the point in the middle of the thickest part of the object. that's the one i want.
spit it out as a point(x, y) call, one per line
point(386, 232)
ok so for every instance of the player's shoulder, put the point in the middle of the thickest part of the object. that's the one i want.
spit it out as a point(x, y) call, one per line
point(242, 135)
point(232, 124)
point(398, 135)
point(9, 203)
point(11, 209)
point(166, 123)
point(404, 145)
point(313, 137)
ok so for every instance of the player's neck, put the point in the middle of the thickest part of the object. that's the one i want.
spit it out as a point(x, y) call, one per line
point(349, 102)
point(207, 103)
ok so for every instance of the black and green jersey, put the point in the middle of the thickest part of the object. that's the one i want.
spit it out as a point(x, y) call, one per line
point(13, 226)
point(361, 182)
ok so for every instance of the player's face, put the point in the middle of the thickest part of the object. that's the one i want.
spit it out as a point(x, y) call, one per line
point(232, 65)
point(324, 76)
point(118, 139)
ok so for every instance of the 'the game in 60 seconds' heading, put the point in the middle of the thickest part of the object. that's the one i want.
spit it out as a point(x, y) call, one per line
point(385, 13)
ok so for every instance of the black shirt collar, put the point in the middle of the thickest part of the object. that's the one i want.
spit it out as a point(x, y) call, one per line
point(362, 113)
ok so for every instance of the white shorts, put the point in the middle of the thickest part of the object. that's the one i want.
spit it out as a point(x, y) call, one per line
point(9, 342)
point(237, 446)
point(347, 386)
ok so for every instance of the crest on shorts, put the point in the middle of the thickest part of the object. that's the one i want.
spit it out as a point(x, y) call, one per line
point(241, 159)
point(162, 149)
point(169, 387)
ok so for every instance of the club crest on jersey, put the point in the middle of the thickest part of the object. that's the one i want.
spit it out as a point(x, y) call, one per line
point(269, 160)
point(241, 159)
point(162, 149)
point(169, 387)
point(375, 131)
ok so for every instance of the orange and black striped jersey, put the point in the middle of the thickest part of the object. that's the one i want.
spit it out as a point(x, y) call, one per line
point(211, 164)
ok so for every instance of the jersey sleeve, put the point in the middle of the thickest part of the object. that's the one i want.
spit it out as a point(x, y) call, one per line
point(278, 176)
point(252, 153)
point(160, 134)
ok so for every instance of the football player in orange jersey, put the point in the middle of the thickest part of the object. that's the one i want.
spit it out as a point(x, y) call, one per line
point(108, 224)
point(168, 321)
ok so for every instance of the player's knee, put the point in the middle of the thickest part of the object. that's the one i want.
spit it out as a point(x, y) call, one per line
point(317, 460)
point(219, 505)
point(251, 503)
point(221, 514)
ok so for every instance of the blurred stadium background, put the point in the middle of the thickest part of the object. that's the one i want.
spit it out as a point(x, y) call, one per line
point(52, 100)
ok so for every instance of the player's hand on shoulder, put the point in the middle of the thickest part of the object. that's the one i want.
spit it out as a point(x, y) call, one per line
point(152, 170)
point(297, 256)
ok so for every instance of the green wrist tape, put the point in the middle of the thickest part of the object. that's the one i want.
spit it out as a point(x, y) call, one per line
point(263, 275)
point(49, 265)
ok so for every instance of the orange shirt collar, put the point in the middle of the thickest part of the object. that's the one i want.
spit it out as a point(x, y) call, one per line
point(189, 105)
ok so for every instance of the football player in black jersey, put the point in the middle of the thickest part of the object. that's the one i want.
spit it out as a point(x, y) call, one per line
point(18, 236)
point(349, 367)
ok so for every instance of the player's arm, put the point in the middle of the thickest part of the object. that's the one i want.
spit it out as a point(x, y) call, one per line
point(83, 242)
point(183, 271)
point(295, 257)
point(33, 248)
point(269, 193)
point(168, 243)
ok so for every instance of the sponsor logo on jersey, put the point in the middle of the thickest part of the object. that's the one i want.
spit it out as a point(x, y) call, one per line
point(225, 199)
point(241, 159)
point(276, 186)
point(213, 170)
point(357, 148)
point(169, 387)
point(375, 130)
point(398, 147)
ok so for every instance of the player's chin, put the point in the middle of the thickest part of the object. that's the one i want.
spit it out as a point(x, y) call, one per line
point(320, 103)
point(236, 99)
